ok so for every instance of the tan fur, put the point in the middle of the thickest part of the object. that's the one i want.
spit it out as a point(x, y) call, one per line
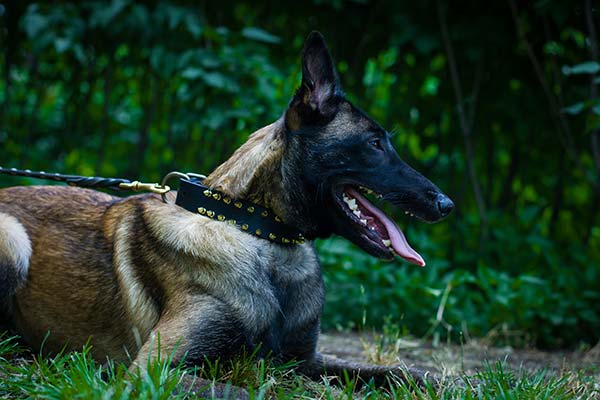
point(141, 311)
point(256, 162)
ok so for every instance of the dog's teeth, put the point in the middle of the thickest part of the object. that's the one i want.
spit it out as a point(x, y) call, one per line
point(405, 212)
point(357, 213)
point(352, 204)
point(364, 222)
point(387, 243)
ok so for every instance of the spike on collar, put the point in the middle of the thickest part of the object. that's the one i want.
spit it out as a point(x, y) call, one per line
point(249, 217)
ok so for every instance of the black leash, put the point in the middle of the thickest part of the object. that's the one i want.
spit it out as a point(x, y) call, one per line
point(89, 181)
point(249, 217)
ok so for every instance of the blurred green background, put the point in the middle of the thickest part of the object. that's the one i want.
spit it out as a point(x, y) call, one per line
point(496, 102)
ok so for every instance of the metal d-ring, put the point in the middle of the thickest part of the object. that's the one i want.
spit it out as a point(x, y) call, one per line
point(170, 175)
point(195, 175)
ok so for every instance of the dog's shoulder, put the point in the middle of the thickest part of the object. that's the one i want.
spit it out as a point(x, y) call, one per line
point(220, 259)
point(192, 234)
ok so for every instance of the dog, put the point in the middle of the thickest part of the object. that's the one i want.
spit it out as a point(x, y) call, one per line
point(79, 265)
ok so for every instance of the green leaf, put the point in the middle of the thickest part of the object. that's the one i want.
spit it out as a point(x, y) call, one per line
point(174, 15)
point(588, 67)
point(432, 291)
point(430, 86)
point(574, 109)
point(554, 48)
point(193, 25)
point(62, 44)
point(533, 280)
point(214, 79)
point(34, 24)
point(104, 14)
point(260, 35)
point(192, 73)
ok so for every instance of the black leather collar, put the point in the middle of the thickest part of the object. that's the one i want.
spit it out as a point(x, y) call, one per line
point(249, 217)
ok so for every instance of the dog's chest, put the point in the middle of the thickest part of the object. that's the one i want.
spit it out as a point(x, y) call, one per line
point(297, 286)
point(272, 290)
point(275, 291)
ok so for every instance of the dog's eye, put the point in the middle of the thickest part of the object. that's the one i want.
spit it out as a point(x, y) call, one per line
point(376, 142)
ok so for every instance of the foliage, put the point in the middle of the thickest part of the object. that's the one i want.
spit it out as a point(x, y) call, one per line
point(132, 89)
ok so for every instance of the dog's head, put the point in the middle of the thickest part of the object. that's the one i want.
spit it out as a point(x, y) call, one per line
point(344, 157)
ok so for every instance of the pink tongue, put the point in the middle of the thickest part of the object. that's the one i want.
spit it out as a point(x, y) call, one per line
point(399, 243)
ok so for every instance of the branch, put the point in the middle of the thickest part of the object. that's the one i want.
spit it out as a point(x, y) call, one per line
point(465, 124)
point(589, 19)
point(562, 126)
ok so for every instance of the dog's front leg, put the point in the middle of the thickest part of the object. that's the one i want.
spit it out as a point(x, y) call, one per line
point(190, 332)
point(339, 369)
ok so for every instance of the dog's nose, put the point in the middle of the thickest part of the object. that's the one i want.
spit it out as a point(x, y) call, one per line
point(444, 204)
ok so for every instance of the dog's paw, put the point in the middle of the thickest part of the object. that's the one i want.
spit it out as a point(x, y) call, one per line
point(211, 390)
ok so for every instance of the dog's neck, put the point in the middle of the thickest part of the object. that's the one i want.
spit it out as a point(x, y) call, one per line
point(255, 172)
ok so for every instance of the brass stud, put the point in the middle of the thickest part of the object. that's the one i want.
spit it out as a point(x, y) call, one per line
point(210, 213)
point(277, 218)
point(216, 196)
point(245, 227)
point(258, 232)
point(226, 200)
point(221, 217)
point(202, 210)
point(272, 237)
point(238, 204)
point(250, 210)
point(264, 213)
point(231, 221)
point(207, 193)
point(285, 240)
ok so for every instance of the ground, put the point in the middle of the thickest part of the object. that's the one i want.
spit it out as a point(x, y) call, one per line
point(454, 359)
point(531, 373)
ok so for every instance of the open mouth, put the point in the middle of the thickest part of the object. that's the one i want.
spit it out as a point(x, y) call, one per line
point(376, 227)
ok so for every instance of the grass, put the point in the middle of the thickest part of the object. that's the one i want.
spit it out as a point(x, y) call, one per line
point(77, 376)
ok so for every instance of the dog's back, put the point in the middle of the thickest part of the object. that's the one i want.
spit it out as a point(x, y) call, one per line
point(55, 249)
point(84, 265)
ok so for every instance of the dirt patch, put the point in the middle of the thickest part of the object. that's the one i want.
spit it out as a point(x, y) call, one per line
point(456, 360)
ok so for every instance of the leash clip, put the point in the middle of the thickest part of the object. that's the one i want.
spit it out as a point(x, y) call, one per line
point(138, 186)
point(179, 175)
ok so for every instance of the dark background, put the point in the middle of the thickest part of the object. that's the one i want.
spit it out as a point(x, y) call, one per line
point(496, 102)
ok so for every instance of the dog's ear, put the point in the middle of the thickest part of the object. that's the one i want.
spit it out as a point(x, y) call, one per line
point(318, 98)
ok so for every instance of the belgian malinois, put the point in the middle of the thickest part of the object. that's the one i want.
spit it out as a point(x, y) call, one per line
point(79, 265)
